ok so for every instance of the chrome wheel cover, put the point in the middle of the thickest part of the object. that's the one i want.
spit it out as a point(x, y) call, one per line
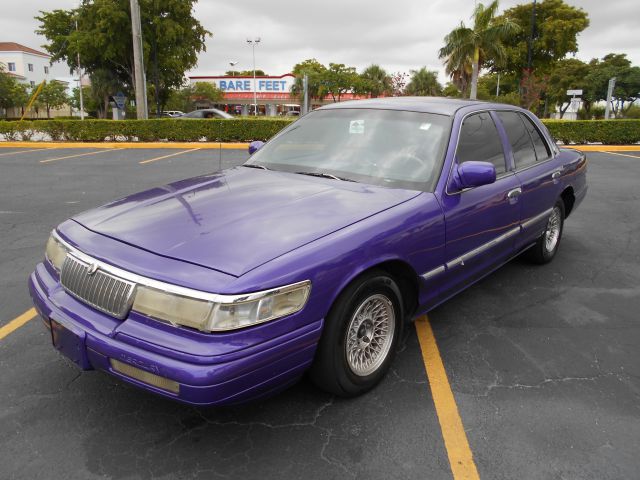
point(552, 233)
point(369, 335)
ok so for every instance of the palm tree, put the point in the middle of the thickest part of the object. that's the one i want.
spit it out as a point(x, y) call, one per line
point(376, 81)
point(464, 45)
point(423, 83)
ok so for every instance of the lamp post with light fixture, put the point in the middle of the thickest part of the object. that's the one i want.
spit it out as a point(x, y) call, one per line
point(255, 93)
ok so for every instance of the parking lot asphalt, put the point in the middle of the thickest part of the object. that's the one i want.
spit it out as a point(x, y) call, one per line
point(543, 362)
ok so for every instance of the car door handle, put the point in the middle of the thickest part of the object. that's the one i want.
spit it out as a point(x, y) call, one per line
point(555, 175)
point(515, 193)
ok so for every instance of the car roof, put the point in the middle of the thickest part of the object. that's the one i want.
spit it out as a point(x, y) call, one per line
point(439, 105)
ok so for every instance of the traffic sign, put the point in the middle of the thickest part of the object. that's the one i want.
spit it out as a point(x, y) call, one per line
point(119, 98)
point(574, 92)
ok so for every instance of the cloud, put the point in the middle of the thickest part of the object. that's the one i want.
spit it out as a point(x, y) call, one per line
point(399, 35)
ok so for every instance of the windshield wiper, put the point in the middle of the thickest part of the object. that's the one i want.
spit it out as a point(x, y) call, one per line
point(255, 165)
point(325, 175)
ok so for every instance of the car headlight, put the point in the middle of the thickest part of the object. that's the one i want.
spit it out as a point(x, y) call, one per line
point(55, 252)
point(221, 312)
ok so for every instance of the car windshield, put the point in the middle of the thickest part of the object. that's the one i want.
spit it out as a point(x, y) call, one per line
point(390, 148)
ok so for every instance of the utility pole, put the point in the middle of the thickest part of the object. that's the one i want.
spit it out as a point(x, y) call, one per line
point(531, 33)
point(80, 72)
point(255, 93)
point(138, 63)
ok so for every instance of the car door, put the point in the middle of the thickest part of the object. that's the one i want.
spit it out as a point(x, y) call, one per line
point(532, 158)
point(481, 222)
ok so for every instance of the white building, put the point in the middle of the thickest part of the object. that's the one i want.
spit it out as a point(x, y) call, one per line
point(33, 65)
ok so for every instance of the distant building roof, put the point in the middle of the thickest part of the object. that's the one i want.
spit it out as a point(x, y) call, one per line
point(15, 75)
point(16, 47)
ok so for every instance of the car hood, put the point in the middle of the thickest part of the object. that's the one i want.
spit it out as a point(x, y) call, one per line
point(236, 220)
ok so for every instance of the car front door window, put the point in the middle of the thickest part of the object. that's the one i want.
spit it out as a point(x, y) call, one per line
point(479, 141)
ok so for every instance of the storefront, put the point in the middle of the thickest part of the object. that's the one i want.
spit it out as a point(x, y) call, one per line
point(273, 94)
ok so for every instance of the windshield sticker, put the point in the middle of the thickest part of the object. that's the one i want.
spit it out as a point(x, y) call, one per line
point(356, 126)
point(425, 126)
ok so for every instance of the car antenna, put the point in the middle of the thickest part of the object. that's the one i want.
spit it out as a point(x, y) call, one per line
point(219, 146)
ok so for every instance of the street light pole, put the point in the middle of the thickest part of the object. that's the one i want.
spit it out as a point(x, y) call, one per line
point(255, 92)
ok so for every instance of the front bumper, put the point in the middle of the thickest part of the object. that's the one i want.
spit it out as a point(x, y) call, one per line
point(90, 339)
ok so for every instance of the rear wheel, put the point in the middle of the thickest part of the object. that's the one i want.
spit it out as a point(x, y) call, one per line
point(547, 245)
point(360, 336)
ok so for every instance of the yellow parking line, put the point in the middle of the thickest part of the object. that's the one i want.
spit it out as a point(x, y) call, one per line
point(455, 438)
point(167, 156)
point(144, 145)
point(604, 148)
point(23, 151)
point(17, 322)
point(77, 155)
point(623, 154)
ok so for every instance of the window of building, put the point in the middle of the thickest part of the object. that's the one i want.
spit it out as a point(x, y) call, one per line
point(33, 84)
point(46, 70)
point(479, 141)
point(11, 66)
point(521, 146)
point(30, 66)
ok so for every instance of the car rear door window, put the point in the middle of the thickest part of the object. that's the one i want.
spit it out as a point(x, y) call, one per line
point(542, 150)
point(479, 141)
point(524, 153)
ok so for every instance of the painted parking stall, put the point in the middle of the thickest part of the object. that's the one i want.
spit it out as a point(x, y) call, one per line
point(545, 373)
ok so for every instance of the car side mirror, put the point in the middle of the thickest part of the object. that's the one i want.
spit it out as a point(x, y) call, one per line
point(474, 174)
point(255, 146)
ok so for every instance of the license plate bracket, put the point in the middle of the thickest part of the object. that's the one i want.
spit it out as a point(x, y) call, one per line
point(70, 341)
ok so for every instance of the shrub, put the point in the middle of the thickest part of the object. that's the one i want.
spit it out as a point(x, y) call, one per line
point(166, 129)
point(610, 132)
point(249, 129)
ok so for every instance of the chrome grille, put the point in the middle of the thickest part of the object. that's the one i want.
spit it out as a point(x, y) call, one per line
point(101, 290)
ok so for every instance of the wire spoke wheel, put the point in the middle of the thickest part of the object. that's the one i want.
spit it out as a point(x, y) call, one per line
point(552, 232)
point(369, 335)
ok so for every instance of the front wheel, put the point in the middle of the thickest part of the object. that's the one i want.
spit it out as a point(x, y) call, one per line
point(360, 336)
point(547, 245)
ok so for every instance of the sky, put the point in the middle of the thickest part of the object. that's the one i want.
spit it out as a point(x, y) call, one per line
point(400, 35)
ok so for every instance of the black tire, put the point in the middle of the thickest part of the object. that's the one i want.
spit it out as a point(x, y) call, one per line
point(542, 252)
point(331, 370)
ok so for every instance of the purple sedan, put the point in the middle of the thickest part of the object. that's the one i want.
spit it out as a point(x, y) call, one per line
point(312, 256)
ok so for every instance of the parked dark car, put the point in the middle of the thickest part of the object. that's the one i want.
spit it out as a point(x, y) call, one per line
point(206, 113)
point(313, 255)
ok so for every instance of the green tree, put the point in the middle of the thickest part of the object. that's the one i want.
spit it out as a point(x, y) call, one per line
point(375, 81)
point(424, 83)
point(555, 34)
point(451, 90)
point(185, 99)
point(567, 74)
point(314, 71)
point(52, 95)
point(172, 40)
point(479, 44)
point(12, 93)
point(339, 79)
point(627, 81)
